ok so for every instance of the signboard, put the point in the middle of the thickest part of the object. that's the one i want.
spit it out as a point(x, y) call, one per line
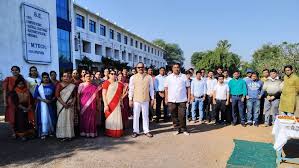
point(36, 34)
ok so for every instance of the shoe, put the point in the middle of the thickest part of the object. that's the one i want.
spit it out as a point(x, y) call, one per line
point(43, 137)
point(250, 123)
point(176, 133)
point(266, 125)
point(233, 124)
point(186, 133)
point(256, 124)
point(243, 124)
point(149, 135)
point(134, 135)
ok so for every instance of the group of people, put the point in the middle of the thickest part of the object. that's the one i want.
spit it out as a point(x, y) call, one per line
point(42, 106)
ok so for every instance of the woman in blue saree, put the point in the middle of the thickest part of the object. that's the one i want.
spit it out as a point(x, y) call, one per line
point(45, 111)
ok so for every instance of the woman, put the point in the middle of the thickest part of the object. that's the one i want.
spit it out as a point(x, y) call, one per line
point(65, 94)
point(23, 119)
point(83, 72)
point(8, 87)
point(125, 110)
point(89, 106)
point(53, 76)
point(112, 96)
point(106, 74)
point(33, 80)
point(45, 111)
point(76, 81)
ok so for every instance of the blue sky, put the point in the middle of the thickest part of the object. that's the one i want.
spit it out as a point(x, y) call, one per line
point(198, 25)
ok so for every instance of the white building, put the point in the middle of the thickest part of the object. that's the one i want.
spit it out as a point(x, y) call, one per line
point(96, 37)
point(28, 35)
point(57, 34)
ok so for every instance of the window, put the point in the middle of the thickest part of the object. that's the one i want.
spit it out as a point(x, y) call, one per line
point(148, 49)
point(76, 40)
point(126, 39)
point(152, 51)
point(103, 30)
point(98, 49)
point(111, 34)
point(130, 56)
point(145, 47)
point(62, 9)
point(158, 53)
point(86, 46)
point(92, 26)
point(80, 21)
point(64, 50)
point(118, 37)
point(141, 46)
point(136, 44)
point(132, 42)
point(155, 52)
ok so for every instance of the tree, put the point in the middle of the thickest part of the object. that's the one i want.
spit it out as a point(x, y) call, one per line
point(220, 56)
point(173, 53)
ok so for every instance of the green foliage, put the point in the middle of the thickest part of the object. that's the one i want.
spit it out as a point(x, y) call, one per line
point(112, 64)
point(276, 56)
point(173, 53)
point(220, 56)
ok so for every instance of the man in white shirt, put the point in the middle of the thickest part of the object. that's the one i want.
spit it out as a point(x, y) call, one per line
point(221, 100)
point(198, 94)
point(177, 94)
point(226, 77)
point(211, 83)
point(141, 93)
point(160, 95)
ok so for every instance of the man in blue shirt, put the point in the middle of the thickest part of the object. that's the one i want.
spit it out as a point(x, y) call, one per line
point(254, 94)
point(237, 91)
point(198, 92)
point(160, 95)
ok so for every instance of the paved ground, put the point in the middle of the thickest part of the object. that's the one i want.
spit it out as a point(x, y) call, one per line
point(207, 146)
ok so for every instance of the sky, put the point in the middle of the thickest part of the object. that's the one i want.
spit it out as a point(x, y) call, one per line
point(197, 25)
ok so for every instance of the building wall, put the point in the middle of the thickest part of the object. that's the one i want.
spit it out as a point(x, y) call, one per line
point(111, 47)
point(11, 36)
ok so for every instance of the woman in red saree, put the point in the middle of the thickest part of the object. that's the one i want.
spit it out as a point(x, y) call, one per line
point(89, 105)
point(125, 110)
point(112, 96)
point(8, 86)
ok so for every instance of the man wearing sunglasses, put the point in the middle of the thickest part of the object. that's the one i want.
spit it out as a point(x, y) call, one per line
point(141, 95)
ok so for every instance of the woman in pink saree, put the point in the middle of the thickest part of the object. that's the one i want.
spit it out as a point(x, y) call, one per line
point(89, 105)
point(113, 92)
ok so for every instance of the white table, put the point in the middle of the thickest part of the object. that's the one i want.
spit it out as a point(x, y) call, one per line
point(283, 132)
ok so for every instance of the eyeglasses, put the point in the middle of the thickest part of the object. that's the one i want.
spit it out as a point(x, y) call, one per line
point(140, 67)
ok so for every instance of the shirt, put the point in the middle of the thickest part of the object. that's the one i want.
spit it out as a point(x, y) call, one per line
point(131, 89)
point(237, 87)
point(211, 83)
point(226, 80)
point(221, 91)
point(198, 87)
point(254, 88)
point(159, 83)
point(177, 88)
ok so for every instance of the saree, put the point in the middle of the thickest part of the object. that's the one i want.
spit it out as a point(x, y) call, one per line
point(65, 121)
point(23, 119)
point(8, 85)
point(126, 110)
point(88, 111)
point(45, 113)
point(113, 123)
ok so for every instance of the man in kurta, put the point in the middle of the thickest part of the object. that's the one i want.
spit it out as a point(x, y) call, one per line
point(141, 95)
point(290, 92)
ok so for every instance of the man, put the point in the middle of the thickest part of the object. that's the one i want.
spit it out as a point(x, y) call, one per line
point(272, 92)
point(188, 105)
point(248, 74)
point(221, 100)
point(226, 76)
point(211, 83)
point(177, 94)
point(266, 74)
point(151, 110)
point(203, 73)
point(218, 72)
point(237, 91)
point(160, 95)
point(141, 93)
point(198, 94)
point(290, 92)
point(254, 94)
